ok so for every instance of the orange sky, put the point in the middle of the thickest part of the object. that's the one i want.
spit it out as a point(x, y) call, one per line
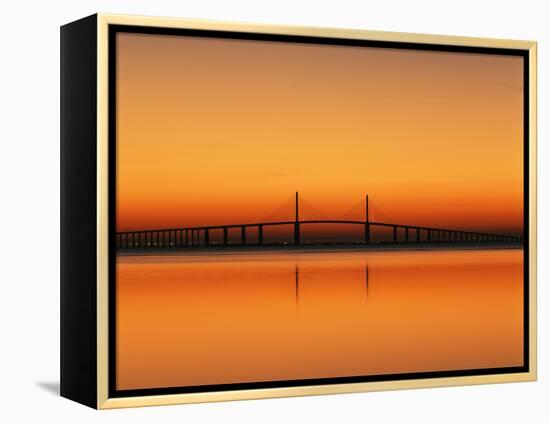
point(213, 131)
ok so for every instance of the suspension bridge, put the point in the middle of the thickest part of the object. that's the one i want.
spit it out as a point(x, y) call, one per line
point(202, 236)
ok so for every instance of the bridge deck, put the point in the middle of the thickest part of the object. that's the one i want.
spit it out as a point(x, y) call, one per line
point(191, 236)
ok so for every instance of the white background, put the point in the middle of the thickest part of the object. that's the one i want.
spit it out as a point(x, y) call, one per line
point(29, 209)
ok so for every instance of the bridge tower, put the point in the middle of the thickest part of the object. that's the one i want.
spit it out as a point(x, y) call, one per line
point(367, 226)
point(296, 223)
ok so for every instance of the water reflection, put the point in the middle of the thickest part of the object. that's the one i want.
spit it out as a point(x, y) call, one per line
point(210, 319)
point(367, 282)
point(297, 283)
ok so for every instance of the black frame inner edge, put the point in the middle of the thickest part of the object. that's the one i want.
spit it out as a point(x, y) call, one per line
point(112, 54)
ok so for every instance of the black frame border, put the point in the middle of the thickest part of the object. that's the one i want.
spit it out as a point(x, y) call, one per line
point(113, 30)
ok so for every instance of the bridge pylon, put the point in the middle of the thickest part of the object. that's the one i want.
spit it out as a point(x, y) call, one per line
point(367, 226)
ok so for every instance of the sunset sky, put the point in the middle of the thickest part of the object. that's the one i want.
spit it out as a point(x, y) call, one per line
point(217, 131)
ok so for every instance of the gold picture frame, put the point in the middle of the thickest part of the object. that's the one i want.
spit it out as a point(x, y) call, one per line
point(90, 37)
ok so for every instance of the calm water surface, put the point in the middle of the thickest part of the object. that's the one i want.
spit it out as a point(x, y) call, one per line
point(208, 319)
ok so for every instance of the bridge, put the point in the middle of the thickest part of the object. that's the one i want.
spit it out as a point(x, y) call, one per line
point(200, 236)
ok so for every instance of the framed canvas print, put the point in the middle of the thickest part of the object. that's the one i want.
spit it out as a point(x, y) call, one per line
point(253, 211)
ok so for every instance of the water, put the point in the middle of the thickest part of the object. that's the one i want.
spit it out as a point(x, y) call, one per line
point(210, 319)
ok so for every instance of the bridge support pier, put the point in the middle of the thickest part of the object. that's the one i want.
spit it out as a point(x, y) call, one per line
point(296, 233)
point(197, 237)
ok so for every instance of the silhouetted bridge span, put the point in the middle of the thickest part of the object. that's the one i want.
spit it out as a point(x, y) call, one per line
point(189, 237)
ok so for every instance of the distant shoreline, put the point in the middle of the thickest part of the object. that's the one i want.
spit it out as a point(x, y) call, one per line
point(221, 250)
